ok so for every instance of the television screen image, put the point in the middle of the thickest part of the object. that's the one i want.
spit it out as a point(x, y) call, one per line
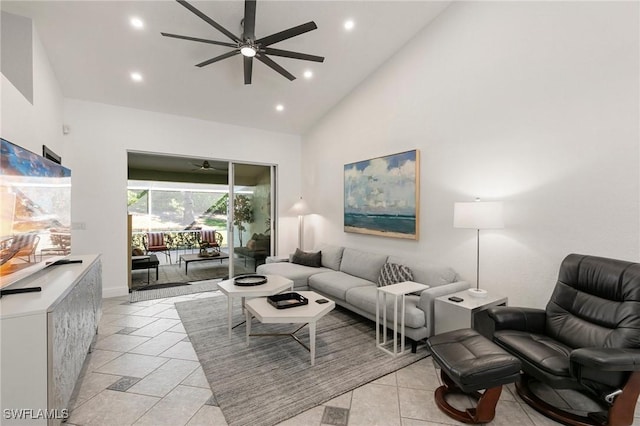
point(35, 212)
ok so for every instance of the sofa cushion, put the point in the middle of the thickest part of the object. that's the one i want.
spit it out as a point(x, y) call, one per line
point(336, 284)
point(365, 298)
point(331, 256)
point(362, 264)
point(299, 274)
point(431, 275)
point(311, 259)
point(393, 273)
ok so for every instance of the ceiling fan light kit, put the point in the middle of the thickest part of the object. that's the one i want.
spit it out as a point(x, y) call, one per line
point(205, 166)
point(248, 46)
point(248, 51)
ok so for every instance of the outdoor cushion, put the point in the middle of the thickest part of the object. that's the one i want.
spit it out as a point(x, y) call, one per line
point(362, 264)
point(365, 298)
point(336, 284)
point(261, 241)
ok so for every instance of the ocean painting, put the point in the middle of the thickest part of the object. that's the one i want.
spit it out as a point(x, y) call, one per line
point(381, 196)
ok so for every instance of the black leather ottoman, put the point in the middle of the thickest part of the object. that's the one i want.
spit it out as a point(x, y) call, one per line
point(470, 362)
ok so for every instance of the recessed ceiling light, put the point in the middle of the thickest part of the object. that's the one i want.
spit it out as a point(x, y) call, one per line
point(308, 74)
point(136, 76)
point(279, 107)
point(136, 23)
point(349, 24)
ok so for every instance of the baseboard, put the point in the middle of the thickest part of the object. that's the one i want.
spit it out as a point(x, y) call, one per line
point(114, 292)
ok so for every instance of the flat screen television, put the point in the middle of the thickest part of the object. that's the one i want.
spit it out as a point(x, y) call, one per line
point(35, 212)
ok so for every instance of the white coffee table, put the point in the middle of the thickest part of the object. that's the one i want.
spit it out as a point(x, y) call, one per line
point(305, 314)
point(275, 284)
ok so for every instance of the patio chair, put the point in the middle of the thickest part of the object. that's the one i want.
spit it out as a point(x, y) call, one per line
point(155, 243)
point(210, 238)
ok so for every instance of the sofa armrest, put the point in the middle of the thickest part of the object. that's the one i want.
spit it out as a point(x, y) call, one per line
point(277, 259)
point(520, 319)
point(428, 296)
point(605, 359)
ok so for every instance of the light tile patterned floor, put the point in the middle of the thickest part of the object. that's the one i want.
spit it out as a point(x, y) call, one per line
point(144, 372)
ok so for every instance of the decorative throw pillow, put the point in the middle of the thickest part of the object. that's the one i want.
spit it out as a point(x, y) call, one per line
point(137, 252)
point(263, 242)
point(307, 258)
point(251, 244)
point(392, 273)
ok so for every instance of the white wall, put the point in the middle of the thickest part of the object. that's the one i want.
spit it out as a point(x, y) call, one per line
point(533, 103)
point(33, 125)
point(99, 140)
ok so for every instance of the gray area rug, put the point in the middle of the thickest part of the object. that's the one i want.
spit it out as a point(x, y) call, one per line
point(272, 379)
point(161, 293)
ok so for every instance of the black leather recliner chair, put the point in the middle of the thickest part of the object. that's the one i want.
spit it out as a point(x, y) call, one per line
point(587, 339)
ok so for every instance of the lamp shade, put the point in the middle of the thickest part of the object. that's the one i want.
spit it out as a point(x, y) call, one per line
point(478, 215)
point(300, 208)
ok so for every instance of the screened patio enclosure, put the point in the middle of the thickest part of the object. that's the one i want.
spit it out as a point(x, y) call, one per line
point(179, 204)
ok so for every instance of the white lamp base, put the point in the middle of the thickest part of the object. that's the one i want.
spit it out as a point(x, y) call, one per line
point(477, 292)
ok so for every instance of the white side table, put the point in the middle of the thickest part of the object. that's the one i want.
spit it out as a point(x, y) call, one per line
point(450, 315)
point(395, 290)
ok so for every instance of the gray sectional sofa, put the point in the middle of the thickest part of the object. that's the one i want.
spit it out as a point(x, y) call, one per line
point(349, 277)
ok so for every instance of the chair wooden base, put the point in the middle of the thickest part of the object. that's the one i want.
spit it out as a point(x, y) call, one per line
point(484, 411)
point(620, 413)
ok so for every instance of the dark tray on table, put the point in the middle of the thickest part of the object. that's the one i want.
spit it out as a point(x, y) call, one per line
point(287, 300)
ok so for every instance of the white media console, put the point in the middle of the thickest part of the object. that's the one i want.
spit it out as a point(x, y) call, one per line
point(44, 340)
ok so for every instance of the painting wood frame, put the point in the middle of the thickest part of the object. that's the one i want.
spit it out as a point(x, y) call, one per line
point(382, 196)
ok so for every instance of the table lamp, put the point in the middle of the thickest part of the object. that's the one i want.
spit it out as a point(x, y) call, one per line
point(301, 208)
point(478, 215)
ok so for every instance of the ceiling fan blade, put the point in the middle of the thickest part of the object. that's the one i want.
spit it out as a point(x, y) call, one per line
point(271, 64)
point(210, 21)
point(201, 40)
point(291, 32)
point(218, 58)
point(294, 55)
point(249, 20)
point(248, 68)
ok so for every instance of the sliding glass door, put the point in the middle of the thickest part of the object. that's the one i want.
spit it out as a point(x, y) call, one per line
point(251, 222)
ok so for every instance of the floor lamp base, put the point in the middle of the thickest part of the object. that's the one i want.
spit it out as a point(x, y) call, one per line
point(477, 292)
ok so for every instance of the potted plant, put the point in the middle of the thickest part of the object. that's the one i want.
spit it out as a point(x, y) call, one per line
point(242, 214)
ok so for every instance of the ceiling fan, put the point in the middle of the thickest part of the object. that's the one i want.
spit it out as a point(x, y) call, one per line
point(247, 45)
point(205, 167)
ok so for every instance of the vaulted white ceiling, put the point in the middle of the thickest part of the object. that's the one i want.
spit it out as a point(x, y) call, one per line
point(93, 49)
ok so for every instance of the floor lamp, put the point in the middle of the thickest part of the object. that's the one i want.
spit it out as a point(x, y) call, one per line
point(301, 208)
point(478, 215)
